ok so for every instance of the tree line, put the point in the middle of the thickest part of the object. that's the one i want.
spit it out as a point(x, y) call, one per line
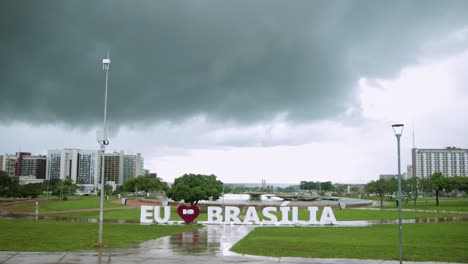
point(414, 187)
point(10, 187)
point(191, 188)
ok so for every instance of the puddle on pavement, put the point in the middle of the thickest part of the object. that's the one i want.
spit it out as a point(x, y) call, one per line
point(210, 240)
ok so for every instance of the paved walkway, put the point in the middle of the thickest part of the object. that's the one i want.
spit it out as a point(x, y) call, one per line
point(209, 245)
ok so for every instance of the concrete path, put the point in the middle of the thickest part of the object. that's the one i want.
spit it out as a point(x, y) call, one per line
point(209, 245)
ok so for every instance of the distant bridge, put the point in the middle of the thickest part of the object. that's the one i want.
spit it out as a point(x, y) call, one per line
point(255, 196)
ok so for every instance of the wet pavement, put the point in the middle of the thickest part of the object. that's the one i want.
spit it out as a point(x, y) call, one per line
point(208, 245)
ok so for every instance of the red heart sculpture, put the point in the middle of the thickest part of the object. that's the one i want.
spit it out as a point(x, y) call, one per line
point(188, 213)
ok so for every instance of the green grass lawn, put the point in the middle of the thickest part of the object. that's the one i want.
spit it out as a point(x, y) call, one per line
point(429, 203)
point(27, 235)
point(421, 242)
point(59, 205)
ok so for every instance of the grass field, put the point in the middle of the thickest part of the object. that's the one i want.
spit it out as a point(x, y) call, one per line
point(422, 242)
point(60, 205)
point(26, 235)
point(426, 203)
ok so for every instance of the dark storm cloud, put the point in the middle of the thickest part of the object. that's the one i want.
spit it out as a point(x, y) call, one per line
point(242, 61)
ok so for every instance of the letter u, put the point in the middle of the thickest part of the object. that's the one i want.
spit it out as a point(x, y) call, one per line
point(167, 214)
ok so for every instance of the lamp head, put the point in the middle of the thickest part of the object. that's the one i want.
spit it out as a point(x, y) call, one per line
point(398, 129)
point(106, 62)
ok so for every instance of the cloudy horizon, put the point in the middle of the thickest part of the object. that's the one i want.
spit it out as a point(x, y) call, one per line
point(245, 90)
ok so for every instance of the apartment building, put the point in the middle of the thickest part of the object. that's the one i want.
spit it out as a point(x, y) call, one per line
point(84, 166)
point(450, 161)
point(9, 164)
point(33, 166)
point(81, 166)
point(133, 166)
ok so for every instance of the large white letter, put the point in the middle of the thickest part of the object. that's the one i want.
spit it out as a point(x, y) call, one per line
point(312, 215)
point(285, 215)
point(251, 215)
point(295, 215)
point(215, 212)
point(167, 214)
point(267, 213)
point(231, 214)
point(145, 212)
point(327, 216)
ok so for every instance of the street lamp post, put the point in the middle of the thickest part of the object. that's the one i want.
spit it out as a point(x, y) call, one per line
point(102, 140)
point(398, 130)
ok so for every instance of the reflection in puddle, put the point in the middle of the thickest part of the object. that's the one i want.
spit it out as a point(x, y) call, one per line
point(213, 240)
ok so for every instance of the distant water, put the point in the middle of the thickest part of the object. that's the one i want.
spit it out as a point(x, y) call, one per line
point(231, 198)
point(237, 198)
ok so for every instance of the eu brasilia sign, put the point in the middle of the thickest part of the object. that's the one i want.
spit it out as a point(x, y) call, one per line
point(232, 215)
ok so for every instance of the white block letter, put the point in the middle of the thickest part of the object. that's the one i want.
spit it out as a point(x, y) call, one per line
point(312, 215)
point(167, 214)
point(327, 216)
point(232, 214)
point(295, 216)
point(215, 212)
point(251, 215)
point(146, 214)
point(267, 212)
point(285, 215)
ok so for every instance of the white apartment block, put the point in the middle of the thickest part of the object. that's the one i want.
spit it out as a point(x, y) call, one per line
point(84, 166)
point(450, 162)
point(9, 164)
point(81, 166)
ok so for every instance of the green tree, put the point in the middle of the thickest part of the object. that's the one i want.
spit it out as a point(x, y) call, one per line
point(437, 182)
point(5, 181)
point(288, 189)
point(145, 183)
point(195, 187)
point(31, 191)
point(14, 188)
point(380, 187)
point(459, 183)
point(412, 188)
point(340, 189)
point(327, 186)
point(62, 188)
point(308, 185)
point(227, 189)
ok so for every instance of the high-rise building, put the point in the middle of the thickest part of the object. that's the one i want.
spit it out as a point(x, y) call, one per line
point(33, 166)
point(132, 166)
point(120, 167)
point(409, 171)
point(81, 166)
point(450, 162)
point(19, 161)
point(1, 163)
point(9, 164)
point(84, 166)
point(113, 167)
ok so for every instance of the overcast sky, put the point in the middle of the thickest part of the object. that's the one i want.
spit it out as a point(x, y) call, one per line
point(247, 90)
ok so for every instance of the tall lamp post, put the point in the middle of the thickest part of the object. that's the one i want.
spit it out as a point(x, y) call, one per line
point(398, 130)
point(103, 142)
